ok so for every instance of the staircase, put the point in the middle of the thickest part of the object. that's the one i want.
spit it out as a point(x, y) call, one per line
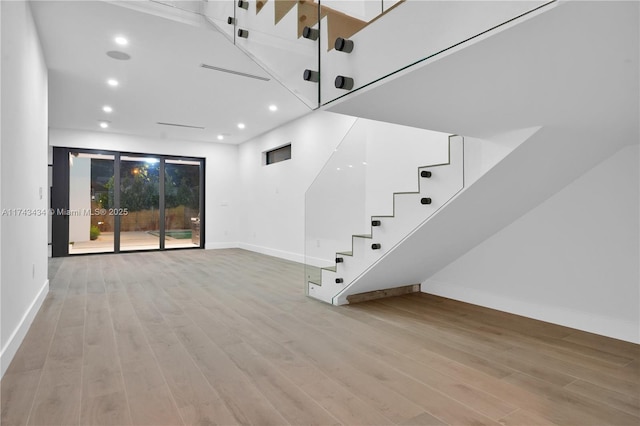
point(436, 185)
point(293, 40)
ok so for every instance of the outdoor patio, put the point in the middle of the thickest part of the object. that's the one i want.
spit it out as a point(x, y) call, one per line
point(130, 240)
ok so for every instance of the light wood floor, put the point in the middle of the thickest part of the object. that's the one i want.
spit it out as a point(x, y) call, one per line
point(228, 337)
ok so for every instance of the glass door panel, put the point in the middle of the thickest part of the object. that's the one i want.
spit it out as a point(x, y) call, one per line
point(139, 210)
point(91, 202)
point(181, 203)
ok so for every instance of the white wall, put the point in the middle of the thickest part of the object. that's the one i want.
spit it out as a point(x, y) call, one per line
point(573, 260)
point(221, 182)
point(79, 199)
point(23, 176)
point(271, 209)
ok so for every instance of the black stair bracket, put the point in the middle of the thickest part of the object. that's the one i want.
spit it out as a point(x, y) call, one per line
point(243, 33)
point(339, 280)
point(339, 260)
point(343, 82)
point(310, 75)
point(310, 33)
point(231, 20)
point(243, 4)
point(375, 246)
point(425, 200)
point(343, 45)
point(425, 174)
point(375, 223)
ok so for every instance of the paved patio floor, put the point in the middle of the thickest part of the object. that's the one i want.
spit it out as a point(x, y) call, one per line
point(138, 240)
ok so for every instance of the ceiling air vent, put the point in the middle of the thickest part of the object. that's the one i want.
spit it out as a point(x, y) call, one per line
point(241, 74)
point(179, 125)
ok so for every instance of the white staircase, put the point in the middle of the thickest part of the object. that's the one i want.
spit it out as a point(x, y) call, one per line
point(437, 184)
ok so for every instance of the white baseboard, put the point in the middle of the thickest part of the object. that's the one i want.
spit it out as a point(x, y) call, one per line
point(295, 257)
point(214, 246)
point(597, 324)
point(18, 335)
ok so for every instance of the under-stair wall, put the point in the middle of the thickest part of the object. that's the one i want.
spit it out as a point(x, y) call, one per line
point(572, 260)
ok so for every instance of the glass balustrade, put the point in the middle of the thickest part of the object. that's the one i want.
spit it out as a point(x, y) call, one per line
point(221, 13)
point(271, 33)
point(373, 161)
point(368, 48)
point(323, 50)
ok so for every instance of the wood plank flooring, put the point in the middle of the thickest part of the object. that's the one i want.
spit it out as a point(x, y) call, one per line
point(227, 337)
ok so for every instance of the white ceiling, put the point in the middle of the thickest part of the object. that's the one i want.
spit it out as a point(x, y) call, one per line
point(163, 80)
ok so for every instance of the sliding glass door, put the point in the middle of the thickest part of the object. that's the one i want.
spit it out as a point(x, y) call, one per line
point(181, 203)
point(91, 188)
point(111, 202)
point(139, 210)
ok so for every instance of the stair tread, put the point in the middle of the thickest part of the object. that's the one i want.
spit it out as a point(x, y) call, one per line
point(433, 165)
point(330, 268)
point(362, 235)
point(315, 283)
point(345, 253)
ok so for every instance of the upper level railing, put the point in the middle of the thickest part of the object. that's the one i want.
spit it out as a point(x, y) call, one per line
point(322, 50)
point(405, 34)
point(270, 32)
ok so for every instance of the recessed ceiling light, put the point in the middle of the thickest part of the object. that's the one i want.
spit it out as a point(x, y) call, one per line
point(104, 125)
point(220, 137)
point(273, 107)
point(107, 108)
point(121, 41)
point(112, 82)
point(241, 126)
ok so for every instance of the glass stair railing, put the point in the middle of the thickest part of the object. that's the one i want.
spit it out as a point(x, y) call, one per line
point(270, 32)
point(354, 213)
point(221, 13)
